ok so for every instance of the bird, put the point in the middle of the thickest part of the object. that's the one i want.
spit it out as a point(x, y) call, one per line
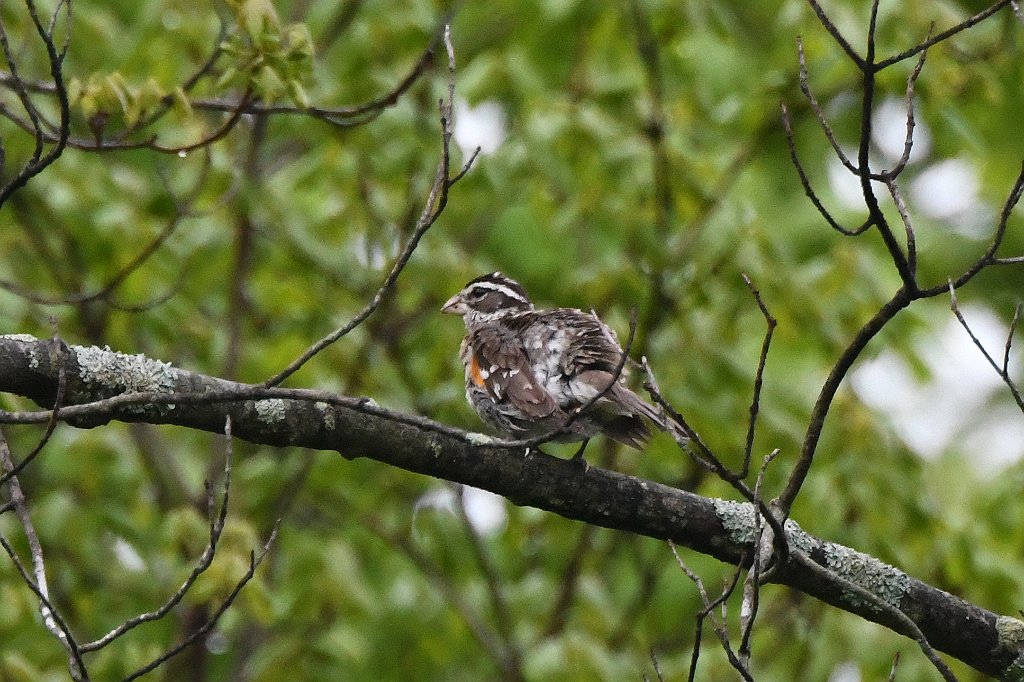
point(528, 370)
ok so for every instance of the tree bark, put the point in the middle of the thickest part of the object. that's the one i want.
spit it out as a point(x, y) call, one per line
point(132, 388)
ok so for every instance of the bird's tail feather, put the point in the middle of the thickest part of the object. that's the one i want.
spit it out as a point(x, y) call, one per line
point(640, 406)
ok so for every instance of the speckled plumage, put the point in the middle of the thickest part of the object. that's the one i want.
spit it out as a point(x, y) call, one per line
point(528, 369)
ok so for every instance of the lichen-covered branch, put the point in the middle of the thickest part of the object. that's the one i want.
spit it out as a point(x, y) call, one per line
point(102, 385)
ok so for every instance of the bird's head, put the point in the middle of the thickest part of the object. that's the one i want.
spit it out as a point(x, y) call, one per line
point(488, 296)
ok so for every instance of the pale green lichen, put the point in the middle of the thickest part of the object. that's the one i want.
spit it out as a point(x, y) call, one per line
point(739, 521)
point(1011, 632)
point(19, 337)
point(479, 439)
point(270, 410)
point(33, 358)
point(327, 413)
point(108, 373)
point(886, 582)
point(1011, 637)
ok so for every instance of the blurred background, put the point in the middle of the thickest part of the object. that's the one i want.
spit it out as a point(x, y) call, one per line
point(632, 154)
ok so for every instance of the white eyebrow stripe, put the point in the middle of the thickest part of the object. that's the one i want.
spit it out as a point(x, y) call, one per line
point(502, 288)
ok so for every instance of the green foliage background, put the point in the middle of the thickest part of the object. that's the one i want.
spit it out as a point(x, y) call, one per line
point(296, 224)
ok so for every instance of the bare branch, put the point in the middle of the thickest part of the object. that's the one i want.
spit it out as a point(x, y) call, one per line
point(55, 58)
point(341, 117)
point(51, 618)
point(718, 624)
point(908, 142)
point(755, 401)
point(63, 634)
point(216, 528)
point(219, 134)
point(900, 300)
point(357, 428)
point(904, 620)
point(895, 664)
point(787, 127)
point(254, 562)
point(943, 36)
point(1009, 339)
point(437, 200)
point(764, 545)
point(819, 113)
point(1001, 370)
point(836, 35)
point(657, 666)
point(876, 216)
point(989, 257)
point(908, 225)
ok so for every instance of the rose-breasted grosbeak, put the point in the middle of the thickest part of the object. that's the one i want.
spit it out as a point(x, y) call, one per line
point(527, 370)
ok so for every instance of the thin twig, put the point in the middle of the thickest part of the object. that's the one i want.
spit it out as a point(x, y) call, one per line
point(216, 528)
point(943, 36)
point(657, 666)
point(836, 35)
point(819, 113)
point(755, 402)
point(1009, 338)
point(51, 618)
point(1000, 370)
point(908, 141)
point(875, 215)
point(55, 59)
point(905, 263)
point(883, 607)
point(718, 624)
point(900, 300)
point(698, 450)
point(762, 554)
point(341, 117)
point(895, 664)
point(254, 562)
point(205, 69)
point(63, 634)
point(805, 182)
point(437, 200)
point(908, 225)
point(989, 257)
point(220, 133)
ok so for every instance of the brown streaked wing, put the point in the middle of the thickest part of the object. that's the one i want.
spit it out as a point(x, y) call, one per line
point(508, 375)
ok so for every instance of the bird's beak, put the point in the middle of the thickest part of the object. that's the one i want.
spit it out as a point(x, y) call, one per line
point(454, 306)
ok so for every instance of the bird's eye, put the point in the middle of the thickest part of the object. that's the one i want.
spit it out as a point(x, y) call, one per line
point(476, 294)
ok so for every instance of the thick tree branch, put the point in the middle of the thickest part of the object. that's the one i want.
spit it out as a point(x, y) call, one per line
point(29, 367)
